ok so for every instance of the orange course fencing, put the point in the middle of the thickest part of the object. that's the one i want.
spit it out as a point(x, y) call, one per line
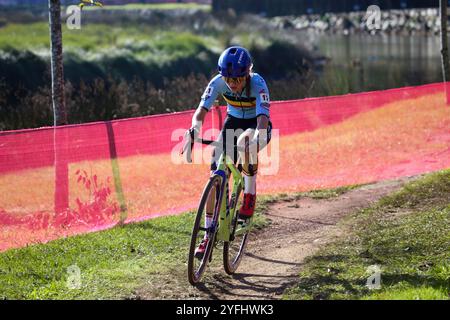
point(57, 182)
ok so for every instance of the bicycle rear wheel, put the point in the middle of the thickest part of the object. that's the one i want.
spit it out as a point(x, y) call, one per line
point(196, 266)
point(233, 251)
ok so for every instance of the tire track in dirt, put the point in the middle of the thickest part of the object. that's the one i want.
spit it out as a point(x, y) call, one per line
point(299, 228)
point(274, 255)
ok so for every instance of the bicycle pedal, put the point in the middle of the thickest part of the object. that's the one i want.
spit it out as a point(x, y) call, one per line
point(218, 245)
point(243, 222)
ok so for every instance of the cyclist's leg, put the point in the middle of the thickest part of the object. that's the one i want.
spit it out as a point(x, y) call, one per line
point(209, 214)
point(249, 162)
point(249, 165)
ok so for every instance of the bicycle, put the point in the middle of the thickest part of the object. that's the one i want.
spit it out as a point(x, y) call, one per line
point(226, 226)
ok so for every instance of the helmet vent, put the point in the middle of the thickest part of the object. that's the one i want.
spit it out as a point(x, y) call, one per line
point(233, 51)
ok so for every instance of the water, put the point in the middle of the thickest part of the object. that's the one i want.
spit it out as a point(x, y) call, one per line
point(365, 63)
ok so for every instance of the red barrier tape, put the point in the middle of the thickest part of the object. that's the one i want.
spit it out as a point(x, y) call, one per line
point(33, 148)
point(108, 172)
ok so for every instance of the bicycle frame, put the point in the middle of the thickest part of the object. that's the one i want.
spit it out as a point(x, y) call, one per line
point(226, 217)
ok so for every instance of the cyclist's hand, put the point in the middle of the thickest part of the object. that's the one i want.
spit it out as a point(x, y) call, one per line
point(189, 138)
point(194, 133)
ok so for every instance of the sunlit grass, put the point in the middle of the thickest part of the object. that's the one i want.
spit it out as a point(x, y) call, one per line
point(407, 240)
point(101, 39)
point(112, 263)
point(25, 36)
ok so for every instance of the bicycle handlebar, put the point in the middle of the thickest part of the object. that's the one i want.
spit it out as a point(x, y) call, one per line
point(218, 144)
point(187, 148)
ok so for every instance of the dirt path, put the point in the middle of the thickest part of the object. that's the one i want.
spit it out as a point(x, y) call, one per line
point(275, 255)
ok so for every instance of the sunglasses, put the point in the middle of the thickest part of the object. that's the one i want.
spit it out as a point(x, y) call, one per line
point(238, 80)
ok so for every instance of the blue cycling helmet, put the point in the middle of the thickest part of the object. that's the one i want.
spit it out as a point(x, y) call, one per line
point(235, 62)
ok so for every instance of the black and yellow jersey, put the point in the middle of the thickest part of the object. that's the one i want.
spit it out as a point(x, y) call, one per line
point(239, 106)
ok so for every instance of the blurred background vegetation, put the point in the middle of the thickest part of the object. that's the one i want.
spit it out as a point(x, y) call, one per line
point(142, 59)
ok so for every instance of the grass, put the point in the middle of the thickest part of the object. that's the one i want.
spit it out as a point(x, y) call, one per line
point(406, 234)
point(313, 194)
point(112, 263)
point(98, 37)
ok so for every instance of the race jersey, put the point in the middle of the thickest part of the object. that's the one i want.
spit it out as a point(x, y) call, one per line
point(239, 105)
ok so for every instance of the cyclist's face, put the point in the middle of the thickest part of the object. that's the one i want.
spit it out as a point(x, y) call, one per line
point(236, 84)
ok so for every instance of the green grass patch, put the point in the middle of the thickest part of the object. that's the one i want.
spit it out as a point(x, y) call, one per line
point(405, 234)
point(314, 194)
point(25, 36)
point(121, 39)
point(112, 263)
point(100, 51)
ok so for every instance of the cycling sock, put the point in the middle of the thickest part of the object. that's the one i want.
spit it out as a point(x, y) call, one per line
point(250, 184)
point(208, 221)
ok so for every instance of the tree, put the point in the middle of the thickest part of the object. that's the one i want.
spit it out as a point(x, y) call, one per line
point(59, 108)
point(444, 47)
point(59, 104)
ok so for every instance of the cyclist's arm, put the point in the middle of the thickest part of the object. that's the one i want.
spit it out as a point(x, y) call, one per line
point(214, 88)
point(261, 133)
point(209, 96)
point(199, 118)
point(261, 92)
point(263, 122)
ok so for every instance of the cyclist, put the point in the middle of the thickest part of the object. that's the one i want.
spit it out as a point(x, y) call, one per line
point(247, 123)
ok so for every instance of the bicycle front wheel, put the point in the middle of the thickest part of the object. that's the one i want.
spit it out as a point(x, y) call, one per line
point(197, 265)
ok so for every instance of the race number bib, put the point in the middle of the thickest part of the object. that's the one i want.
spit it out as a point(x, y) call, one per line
point(208, 93)
point(264, 98)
